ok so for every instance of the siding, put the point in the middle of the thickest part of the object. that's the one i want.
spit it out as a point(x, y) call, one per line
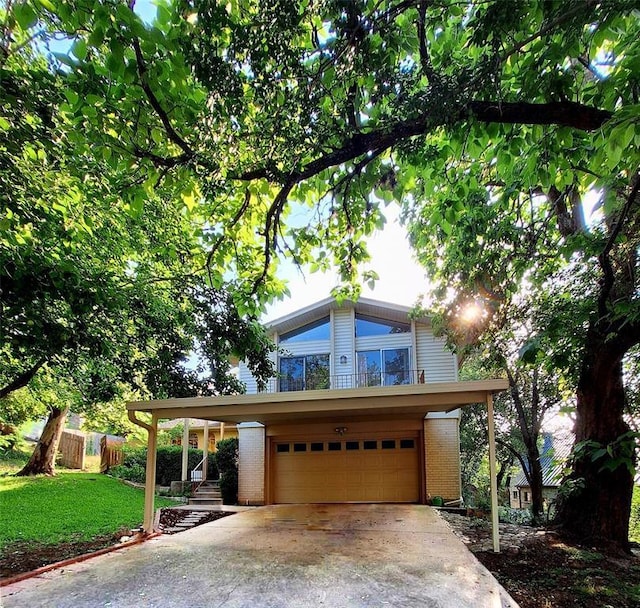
point(245, 376)
point(438, 363)
point(312, 347)
point(442, 458)
point(344, 341)
point(378, 342)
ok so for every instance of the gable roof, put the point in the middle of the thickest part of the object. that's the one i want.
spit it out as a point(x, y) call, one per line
point(555, 451)
point(365, 306)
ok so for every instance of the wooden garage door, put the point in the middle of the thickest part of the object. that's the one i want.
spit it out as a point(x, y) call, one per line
point(347, 470)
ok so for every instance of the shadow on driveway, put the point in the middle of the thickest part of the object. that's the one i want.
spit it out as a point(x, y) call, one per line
point(282, 556)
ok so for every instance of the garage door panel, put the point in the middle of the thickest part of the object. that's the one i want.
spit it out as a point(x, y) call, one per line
point(371, 470)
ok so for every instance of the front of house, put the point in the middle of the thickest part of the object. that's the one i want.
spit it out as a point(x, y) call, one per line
point(343, 457)
point(364, 408)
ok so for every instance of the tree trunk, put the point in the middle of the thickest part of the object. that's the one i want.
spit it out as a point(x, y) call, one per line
point(43, 459)
point(598, 506)
point(535, 476)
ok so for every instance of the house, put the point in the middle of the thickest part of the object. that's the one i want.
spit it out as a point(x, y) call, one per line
point(555, 451)
point(196, 428)
point(364, 408)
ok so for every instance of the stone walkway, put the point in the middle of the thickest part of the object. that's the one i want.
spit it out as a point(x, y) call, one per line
point(475, 532)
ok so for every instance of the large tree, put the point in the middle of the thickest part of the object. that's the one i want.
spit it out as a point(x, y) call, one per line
point(98, 289)
point(471, 113)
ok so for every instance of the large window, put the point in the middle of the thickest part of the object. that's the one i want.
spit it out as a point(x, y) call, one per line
point(305, 373)
point(372, 326)
point(386, 367)
point(318, 330)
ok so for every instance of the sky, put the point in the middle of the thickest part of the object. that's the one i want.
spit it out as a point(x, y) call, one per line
point(401, 280)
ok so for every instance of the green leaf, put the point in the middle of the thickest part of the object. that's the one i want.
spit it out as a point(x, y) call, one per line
point(24, 15)
point(79, 49)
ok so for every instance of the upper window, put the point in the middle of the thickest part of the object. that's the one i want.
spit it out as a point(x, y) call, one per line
point(318, 330)
point(371, 326)
point(306, 373)
point(383, 367)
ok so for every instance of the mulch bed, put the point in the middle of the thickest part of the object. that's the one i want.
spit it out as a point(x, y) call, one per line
point(539, 569)
point(25, 556)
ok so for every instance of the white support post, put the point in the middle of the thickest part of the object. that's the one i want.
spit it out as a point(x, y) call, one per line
point(493, 476)
point(185, 450)
point(221, 431)
point(150, 484)
point(205, 450)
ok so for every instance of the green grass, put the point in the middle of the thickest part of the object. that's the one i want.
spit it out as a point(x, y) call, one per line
point(68, 507)
point(11, 461)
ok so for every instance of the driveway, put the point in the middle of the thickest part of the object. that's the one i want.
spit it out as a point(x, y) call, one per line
point(282, 556)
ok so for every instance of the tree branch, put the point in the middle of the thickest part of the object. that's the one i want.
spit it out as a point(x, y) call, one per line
point(173, 135)
point(23, 379)
point(604, 259)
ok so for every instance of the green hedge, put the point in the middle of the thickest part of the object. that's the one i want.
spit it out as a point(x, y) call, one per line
point(227, 459)
point(168, 464)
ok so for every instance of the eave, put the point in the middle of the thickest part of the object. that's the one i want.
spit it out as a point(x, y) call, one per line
point(404, 401)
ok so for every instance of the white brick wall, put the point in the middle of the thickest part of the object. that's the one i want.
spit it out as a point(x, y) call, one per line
point(251, 446)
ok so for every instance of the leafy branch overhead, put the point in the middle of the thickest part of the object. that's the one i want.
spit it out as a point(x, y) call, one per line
point(288, 97)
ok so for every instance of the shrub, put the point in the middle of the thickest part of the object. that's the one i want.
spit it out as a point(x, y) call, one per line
point(227, 461)
point(168, 464)
point(634, 520)
point(134, 473)
point(515, 516)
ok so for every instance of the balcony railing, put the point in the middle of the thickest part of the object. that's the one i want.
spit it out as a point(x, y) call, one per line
point(344, 381)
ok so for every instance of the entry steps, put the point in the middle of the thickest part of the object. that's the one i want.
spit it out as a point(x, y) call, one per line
point(208, 493)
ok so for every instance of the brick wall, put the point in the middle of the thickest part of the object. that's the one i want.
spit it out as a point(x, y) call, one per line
point(251, 445)
point(442, 457)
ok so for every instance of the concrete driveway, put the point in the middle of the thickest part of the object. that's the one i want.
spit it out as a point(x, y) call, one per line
point(282, 556)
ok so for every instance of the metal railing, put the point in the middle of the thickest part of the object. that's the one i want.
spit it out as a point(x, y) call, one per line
point(344, 381)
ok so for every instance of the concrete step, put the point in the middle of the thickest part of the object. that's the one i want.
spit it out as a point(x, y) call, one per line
point(208, 493)
point(205, 501)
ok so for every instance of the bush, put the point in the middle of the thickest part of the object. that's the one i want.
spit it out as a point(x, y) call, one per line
point(634, 520)
point(134, 473)
point(515, 516)
point(227, 460)
point(168, 464)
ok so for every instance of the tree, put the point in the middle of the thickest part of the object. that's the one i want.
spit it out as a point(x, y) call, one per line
point(520, 412)
point(95, 289)
point(469, 113)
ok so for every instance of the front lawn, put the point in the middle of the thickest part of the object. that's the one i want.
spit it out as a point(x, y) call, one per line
point(69, 507)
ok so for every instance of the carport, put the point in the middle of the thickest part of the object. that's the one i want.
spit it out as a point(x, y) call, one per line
point(405, 402)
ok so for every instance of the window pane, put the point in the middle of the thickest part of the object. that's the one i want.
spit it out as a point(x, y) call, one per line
point(317, 372)
point(282, 447)
point(388, 444)
point(317, 447)
point(334, 446)
point(396, 366)
point(369, 368)
point(299, 447)
point(291, 374)
point(407, 443)
point(372, 326)
point(318, 330)
point(370, 445)
point(352, 445)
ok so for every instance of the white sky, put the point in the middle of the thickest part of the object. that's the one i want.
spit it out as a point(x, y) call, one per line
point(401, 280)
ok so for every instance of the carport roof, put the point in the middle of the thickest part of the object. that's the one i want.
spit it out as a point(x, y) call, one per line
point(404, 401)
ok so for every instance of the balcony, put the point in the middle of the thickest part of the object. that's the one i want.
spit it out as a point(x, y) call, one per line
point(344, 381)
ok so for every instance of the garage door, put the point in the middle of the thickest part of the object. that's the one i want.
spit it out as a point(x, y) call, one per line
point(364, 469)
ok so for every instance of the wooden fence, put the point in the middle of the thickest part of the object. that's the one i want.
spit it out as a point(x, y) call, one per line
point(110, 453)
point(72, 447)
